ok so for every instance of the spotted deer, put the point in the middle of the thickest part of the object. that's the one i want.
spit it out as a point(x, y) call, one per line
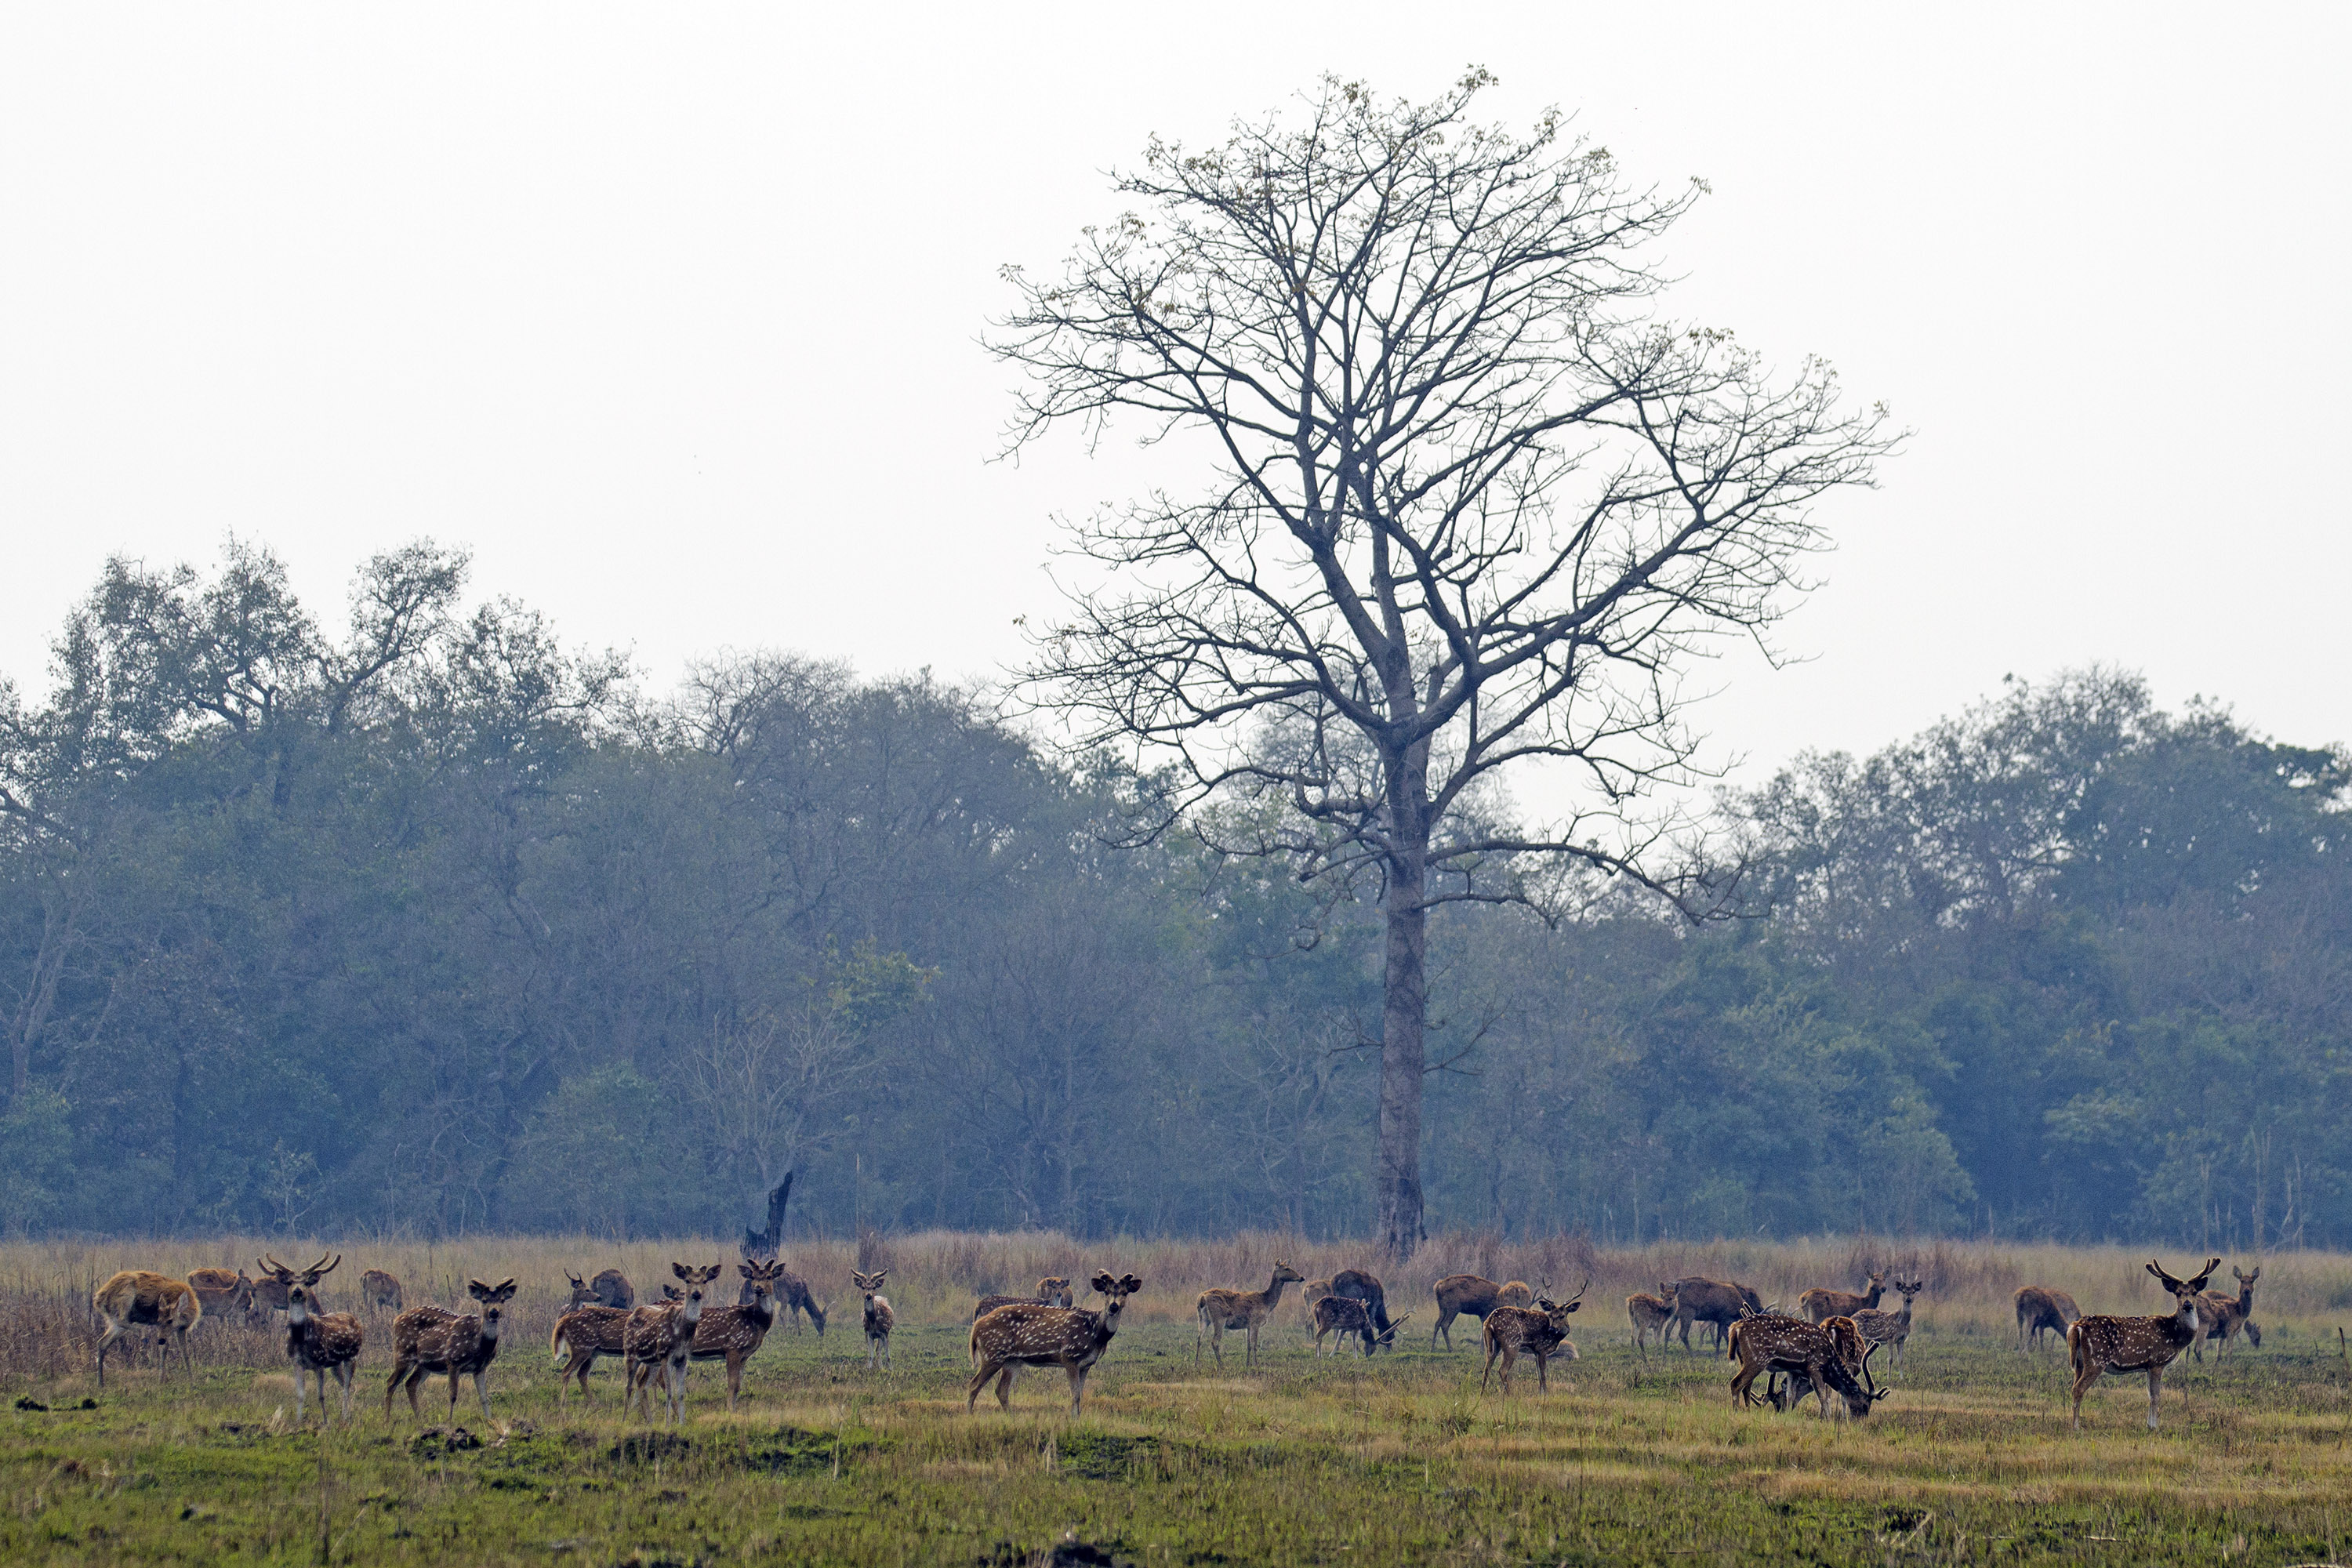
point(135, 1298)
point(1052, 1291)
point(732, 1333)
point(1854, 1354)
point(879, 1319)
point(1357, 1285)
point(1769, 1341)
point(586, 1329)
point(1033, 1334)
point(2098, 1346)
point(317, 1343)
point(2218, 1317)
point(1540, 1330)
point(220, 1293)
point(1882, 1327)
point(660, 1340)
point(1818, 1303)
point(1350, 1315)
point(379, 1291)
point(1716, 1303)
point(433, 1339)
point(1650, 1315)
point(2040, 1310)
point(1219, 1309)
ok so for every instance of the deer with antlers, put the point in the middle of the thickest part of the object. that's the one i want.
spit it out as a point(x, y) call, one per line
point(1352, 1315)
point(879, 1319)
point(1220, 1310)
point(732, 1333)
point(434, 1339)
point(1854, 1354)
point(1052, 1291)
point(136, 1299)
point(1882, 1327)
point(1764, 1342)
point(1820, 1304)
point(2218, 1317)
point(317, 1343)
point(2098, 1346)
point(1650, 1315)
point(2041, 1311)
point(1033, 1334)
point(660, 1340)
point(1540, 1330)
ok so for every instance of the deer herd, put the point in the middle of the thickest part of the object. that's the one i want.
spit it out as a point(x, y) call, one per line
point(1825, 1349)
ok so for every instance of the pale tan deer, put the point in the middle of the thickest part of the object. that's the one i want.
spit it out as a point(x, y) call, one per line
point(1540, 1330)
point(2098, 1346)
point(1882, 1327)
point(879, 1319)
point(1029, 1333)
point(433, 1339)
point(2040, 1310)
point(136, 1299)
point(379, 1291)
point(1220, 1310)
point(1515, 1293)
point(2218, 1317)
point(660, 1340)
point(1650, 1315)
point(1052, 1291)
point(317, 1343)
point(1819, 1304)
point(220, 1293)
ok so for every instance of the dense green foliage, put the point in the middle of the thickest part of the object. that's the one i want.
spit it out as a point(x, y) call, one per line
point(435, 924)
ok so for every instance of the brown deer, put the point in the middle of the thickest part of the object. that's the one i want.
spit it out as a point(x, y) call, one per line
point(660, 1340)
point(1819, 1304)
point(732, 1333)
point(220, 1293)
point(1356, 1285)
point(2097, 1345)
point(1219, 1309)
point(1350, 1315)
point(1462, 1296)
point(2218, 1316)
point(1769, 1341)
point(379, 1291)
point(1033, 1334)
point(317, 1343)
point(2039, 1309)
point(1515, 1293)
point(613, 1288)
point(1881, 1328)
point(879, 1319)
point(792, 1298)
point(1052, 1291)
point(268, 1296)
point(136, 1299)
point(1651, 1315)
point(1540, 1330)
point(433, 1339)
point(1716, 1303)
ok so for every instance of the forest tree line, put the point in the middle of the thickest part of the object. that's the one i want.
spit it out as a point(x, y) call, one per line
point(430, 922)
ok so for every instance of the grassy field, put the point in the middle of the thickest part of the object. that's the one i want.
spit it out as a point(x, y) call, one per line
point(1399, 1461)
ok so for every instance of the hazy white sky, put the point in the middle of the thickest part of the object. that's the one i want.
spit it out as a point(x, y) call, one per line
point(670, 314)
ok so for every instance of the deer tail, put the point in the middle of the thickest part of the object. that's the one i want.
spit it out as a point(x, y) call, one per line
point(2076, 1348)
point(555, 1341)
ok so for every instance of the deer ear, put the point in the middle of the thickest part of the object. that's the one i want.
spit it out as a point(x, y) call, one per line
point(1102, 1281)
point(477, 1290)
point(1131, 1284)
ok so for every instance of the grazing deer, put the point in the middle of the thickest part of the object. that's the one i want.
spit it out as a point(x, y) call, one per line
point(1716, 1303)
point(1650, 1315)
point(1819, 1304)
point(1350, 1315)
point(2097, 1345)
point(1854, 1354)
point(1891, 1328)
point(879, 1319)
point(1540, 1330)
point(136, 1299)
point(1033, 1334)
point(661, 1340)
point(1219, 1309)
point(1462, 1296)
point(1052, 1291)
point(379, 1291)
point(2218, 1316)
point(732, 1333)
point(1768, 1342)
point(792, 1298)
point(317, 1343)
point(2039, 1309)
point(1357, 1285)
point(433, 1339)
point(220, 1293)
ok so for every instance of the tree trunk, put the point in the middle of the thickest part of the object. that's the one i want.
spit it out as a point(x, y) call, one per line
point(1396, 1178)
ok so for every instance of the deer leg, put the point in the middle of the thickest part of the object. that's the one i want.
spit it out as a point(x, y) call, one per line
point(1492, 1351)
point(1078, 1389)
point(2155, 1383)
point(2083, 1381)
point(344, 1377)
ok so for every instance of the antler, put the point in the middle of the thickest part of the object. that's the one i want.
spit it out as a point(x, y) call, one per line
point(320, 1268)
point(269, 1265)
point(1581, 1288)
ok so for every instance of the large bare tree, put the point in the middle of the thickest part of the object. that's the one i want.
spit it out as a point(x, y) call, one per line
point(1475, 502)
